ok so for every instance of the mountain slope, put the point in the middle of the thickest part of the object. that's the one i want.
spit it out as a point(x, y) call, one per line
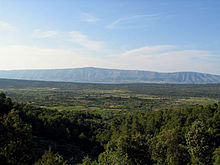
point(99, 75)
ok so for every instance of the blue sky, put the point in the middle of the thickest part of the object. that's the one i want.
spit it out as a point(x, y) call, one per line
point(155, 35)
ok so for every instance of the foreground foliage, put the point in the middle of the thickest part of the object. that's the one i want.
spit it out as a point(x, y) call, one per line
point(180, 136)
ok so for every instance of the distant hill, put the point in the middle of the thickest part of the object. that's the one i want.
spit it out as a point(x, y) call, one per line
point(100, 75)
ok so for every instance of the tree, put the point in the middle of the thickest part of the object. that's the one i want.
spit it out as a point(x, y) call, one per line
point(167, 148)
point(5, 104)
point(216, 157)
point(88, 161)
point(15, 139)
point(199, 143)
point(127, 150)
point(49, 158)
point(113, 158)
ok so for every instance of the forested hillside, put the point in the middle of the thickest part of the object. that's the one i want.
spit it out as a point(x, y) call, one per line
point(101, 75)
point(33, 135)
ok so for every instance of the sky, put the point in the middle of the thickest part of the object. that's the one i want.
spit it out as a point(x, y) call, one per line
point(152, 35)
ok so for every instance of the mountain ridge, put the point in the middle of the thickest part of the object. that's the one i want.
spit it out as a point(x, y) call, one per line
point(103, 75)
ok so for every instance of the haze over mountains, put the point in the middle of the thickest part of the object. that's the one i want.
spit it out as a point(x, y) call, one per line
point(101, 75)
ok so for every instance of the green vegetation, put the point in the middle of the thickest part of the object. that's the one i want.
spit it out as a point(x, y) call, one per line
point(98, 124)
point(109, 97)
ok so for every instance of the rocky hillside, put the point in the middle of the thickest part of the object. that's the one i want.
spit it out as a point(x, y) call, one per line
point(100, 75)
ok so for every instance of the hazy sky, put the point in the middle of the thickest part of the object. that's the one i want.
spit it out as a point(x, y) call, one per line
point(155, 35)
